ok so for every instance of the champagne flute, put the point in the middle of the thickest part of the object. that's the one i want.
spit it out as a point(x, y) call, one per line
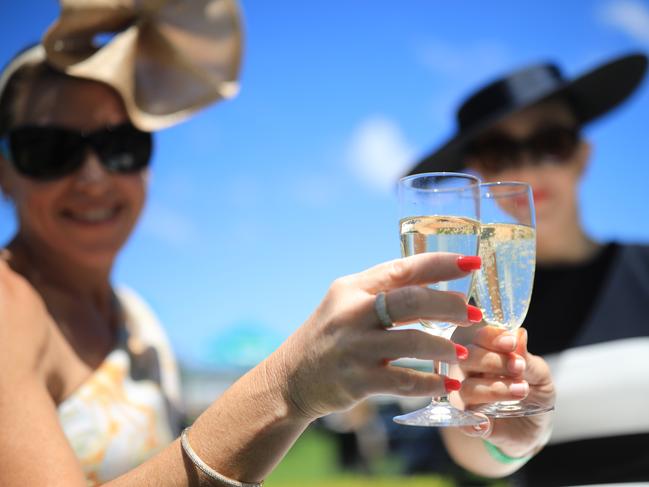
point(503, 286)
point(440, 212)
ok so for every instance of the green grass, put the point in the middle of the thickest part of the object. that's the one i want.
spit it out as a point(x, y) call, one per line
point(357, 481)
point(312, 463)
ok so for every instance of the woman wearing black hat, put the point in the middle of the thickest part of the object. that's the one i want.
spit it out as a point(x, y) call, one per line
point(587, 313)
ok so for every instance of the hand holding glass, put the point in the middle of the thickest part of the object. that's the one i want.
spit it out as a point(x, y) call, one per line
point(440, 213)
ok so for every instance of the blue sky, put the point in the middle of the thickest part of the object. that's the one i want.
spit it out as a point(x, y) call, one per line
point(258, 203)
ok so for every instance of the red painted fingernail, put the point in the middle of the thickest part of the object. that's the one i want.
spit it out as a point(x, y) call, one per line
point(473, 314)
point(469, 263)
point(452, 384)
point(461, 351)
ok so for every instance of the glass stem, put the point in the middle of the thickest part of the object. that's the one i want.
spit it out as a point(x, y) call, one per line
point(441, 368)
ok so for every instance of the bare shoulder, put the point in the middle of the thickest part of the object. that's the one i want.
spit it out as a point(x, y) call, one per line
point(25, 324)
point(27, 410)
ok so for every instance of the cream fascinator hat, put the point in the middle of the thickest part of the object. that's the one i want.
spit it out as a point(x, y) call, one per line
point(166, 58)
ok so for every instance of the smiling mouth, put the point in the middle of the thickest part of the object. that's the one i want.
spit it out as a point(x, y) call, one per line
point(96, 216)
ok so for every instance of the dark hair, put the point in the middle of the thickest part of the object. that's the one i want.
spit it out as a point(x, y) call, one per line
point(18, 88)
point(567, 101)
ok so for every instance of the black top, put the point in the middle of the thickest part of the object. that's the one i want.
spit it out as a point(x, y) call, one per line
point(575, 291)
point(562, 301)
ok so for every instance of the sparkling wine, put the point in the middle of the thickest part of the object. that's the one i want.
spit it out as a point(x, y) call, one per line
point(441, 234)
point(503, 287)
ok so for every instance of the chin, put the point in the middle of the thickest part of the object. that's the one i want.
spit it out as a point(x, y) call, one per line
point(96, 261)
point(95, 257)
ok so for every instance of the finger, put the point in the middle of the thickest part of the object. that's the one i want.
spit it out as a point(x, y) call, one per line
point(482, 361)
point(482, 390)
point(417, 344)
point(521, 341)
point(412, 303)
point(407, 382)
point(425, 268)
point(537, 370)
point(496, 339)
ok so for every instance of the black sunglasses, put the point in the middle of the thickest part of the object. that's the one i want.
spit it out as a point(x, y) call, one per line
point(49, 152)
point(497, 152)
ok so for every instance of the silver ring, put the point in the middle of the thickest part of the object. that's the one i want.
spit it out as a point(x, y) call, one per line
point(381, 308)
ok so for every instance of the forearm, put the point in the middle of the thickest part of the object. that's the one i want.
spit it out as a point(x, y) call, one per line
point(242, 435)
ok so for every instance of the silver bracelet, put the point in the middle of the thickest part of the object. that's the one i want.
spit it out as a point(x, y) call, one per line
point(206, 469)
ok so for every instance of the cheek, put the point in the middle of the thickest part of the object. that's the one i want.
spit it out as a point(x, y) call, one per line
point(134, 189)
point(35, 202)
point(562, 180)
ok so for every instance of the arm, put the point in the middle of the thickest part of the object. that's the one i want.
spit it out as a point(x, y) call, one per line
point(338, 357)
point(33, 449)
point(490, 372)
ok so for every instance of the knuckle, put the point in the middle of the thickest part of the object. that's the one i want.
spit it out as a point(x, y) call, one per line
point(339, 295)
point(407, 382)
point(493, 362)
point(400, 271)
point(339, 284)
point(457, 307)
point(499, 388)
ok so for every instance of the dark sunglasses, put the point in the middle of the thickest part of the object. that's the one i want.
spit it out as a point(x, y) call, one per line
point(50, 152)
point(497, 152)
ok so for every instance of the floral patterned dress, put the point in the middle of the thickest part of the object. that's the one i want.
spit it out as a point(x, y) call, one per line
point(129, 409)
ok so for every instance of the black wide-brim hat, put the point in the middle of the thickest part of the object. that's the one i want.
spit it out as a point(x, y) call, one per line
point(590, 96)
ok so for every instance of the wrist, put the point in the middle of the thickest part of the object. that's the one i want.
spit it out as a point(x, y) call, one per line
point(501, 457)
point(281, 380)
point(523, 449)
point(255, 421)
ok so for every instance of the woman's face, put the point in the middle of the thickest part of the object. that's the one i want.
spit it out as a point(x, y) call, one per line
point(554, 183)
point(86, 216)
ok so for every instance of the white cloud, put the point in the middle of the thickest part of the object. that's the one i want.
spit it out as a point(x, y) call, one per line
point(169, 226)
point(629, 16)
point(379, 153)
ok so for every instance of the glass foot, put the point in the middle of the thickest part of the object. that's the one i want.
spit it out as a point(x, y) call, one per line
point(440, 415)
point(511, 409)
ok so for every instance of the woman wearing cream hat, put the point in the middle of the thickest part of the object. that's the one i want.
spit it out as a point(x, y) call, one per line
point(89, 391)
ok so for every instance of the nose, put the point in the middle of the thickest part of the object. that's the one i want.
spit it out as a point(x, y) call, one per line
point(92, 174)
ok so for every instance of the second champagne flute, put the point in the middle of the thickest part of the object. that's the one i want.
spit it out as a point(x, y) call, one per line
point(440, 212)
point(503, 286)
